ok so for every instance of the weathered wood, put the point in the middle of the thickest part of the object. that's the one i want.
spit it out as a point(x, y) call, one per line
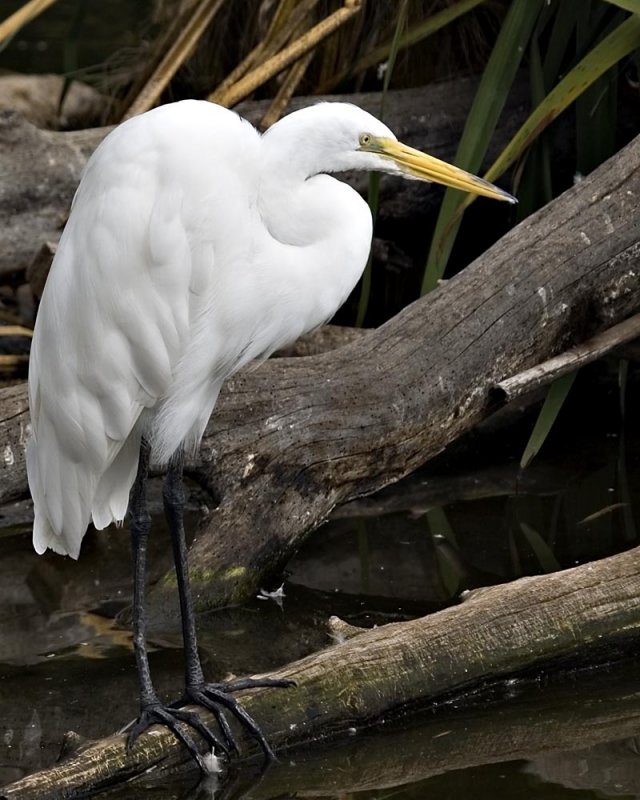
point(572, 359)
point(395, 668)
point(14, 432)
point(322, 340)
point(41, 169)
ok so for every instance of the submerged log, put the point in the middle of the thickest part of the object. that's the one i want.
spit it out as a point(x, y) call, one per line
point(397, 668)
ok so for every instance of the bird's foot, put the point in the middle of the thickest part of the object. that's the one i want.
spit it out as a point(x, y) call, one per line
point(175, 719)
point(218, 698)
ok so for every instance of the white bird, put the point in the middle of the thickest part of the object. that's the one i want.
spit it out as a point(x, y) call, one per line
point(194, 246)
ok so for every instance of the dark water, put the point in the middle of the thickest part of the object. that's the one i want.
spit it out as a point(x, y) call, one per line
point(471, 519)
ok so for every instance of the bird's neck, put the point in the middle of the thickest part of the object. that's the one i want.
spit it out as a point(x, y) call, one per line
point(321, 230)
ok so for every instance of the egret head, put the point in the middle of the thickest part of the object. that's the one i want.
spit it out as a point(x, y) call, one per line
point(333, 137)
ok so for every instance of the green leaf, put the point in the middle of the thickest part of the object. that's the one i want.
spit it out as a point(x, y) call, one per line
point(563, 29)
point(439, 525)
point(596, 108)
point(554, 400)
point(541, 549)
point(535, 188)
point(445, 548)
point(488, 103)
point(374, 179)
point(616, 46)
point(623, 376)
point(416, 33)
point(627, 5)
point(363, 553)
point(365, 281)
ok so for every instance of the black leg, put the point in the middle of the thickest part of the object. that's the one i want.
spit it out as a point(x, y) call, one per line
point(152, 711)
point(140, 523)
point(216, 697)
point(173, 497)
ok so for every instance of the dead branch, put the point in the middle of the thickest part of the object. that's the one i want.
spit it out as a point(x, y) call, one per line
point(572, 359)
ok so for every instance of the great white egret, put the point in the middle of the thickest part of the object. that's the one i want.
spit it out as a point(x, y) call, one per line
point(194, 246)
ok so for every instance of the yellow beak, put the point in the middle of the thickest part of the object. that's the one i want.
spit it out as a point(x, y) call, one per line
point(427, 168)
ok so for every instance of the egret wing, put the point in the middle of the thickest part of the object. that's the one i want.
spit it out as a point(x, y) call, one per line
point(111, 326)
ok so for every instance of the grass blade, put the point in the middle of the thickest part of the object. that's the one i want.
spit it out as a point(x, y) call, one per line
point(623, 376)
point(596, 108)
point(374, 179)
point(541, 549)
point(616, 46)
point(445, 547)
point(563, 29)
point(439, 525)
point(627, 5)
point(554, 401)
point(488, 103)
point(414, 35)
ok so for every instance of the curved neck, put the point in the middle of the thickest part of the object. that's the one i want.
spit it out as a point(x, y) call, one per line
point(320, 235)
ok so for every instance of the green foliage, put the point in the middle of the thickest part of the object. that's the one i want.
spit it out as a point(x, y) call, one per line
point(548, 414)
point(446, 550)
point(491, 96)
point(586, 82)
point(374, 179)
point(542, 551)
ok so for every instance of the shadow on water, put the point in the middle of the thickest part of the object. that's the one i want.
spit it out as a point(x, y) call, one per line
point(470, 519)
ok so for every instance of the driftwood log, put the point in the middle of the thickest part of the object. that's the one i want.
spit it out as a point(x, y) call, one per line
point(402, 667)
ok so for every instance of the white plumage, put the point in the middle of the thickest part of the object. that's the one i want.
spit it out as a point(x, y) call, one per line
point(194, 246)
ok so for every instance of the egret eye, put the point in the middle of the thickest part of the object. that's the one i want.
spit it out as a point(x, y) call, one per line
point(365, 139)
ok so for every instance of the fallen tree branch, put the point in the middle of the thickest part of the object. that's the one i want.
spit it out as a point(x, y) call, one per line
point(496, 632)
point(572, 359)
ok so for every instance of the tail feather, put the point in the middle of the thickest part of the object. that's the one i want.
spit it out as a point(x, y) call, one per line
point(111, 499)
point(46, 533)
point(66, 495)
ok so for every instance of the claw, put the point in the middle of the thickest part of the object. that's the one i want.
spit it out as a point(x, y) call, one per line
point(157, 714)
point(213, 695)
point(254, 683)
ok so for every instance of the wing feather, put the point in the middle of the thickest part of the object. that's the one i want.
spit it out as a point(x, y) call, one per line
point(123, 327)
point(111, 326)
